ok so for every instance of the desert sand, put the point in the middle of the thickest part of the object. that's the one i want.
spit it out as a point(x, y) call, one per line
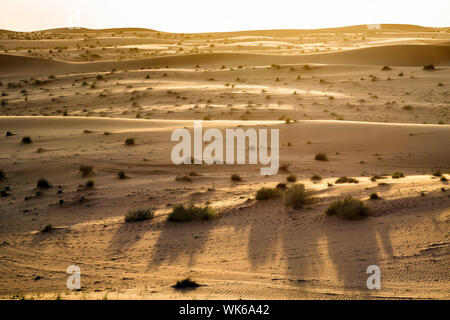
point(79, 94)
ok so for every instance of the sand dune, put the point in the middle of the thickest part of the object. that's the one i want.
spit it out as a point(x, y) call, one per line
point(398, 55)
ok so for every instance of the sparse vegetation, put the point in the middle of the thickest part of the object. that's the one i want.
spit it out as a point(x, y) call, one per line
point(429, 67)
point(183, 178)
point(386, 68)
point(398, 175)
point(291, 178)
point(235, 177)
point(2, 174)
point(121, 174)
point(346, 180)
point(43, 184)
point(26, 140)
point(316, 177)
point(182, 214)
point(321, 157)
point(186, 284)
point(297, 196)
point(139, 215)
point(86, 170)
point(90, 183)
point(266, 193)
point(348, 208)
point(130, 141)
point(374, 196)
point(47, 228)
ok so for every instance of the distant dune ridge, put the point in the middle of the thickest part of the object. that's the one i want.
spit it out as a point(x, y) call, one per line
point(396, 55)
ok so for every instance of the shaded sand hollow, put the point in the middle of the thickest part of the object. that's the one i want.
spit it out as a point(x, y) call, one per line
point(368, 121)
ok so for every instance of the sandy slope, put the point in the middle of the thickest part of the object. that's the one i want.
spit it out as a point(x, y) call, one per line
point(255, 249)
point(396, 55)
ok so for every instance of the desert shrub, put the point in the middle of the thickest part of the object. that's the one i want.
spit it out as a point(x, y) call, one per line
point(2, 174)
point(186, 284)
point(316, 177)
point(443, 179)
point(139, 215)
point(291, 178)
point(129, 141)
point(346, 180)
point(26, 140)
point(43, 184)
point(9, 133)
point(386, 68)
point(348, 208)
point(4, 102)
point(266, 193)
point(407, 107)
point(183, 178)
point(235, 177)
point(121, 174)
point(193, 174)
point(436, 173)
point(47, 228)
point(375, 178)
point(284, 167)
point(429, 67)
point(297, 196)
point(374, 196)
point(181, 213)
point(321, 157)
point(397, 175)
point(282, 186)
point(86, 170)
point(90, 183)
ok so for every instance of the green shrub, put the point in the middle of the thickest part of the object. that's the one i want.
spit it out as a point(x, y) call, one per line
point(235, 177)
point(139, 215)
point(297, 196)
point(398, 175)
point(26, 140)
point(130, 141)
point(181, 213)
point(321, 157)
point(291, 178)
point(43, 184)
point(348, 208)
point(266, 193)
point(346, 180)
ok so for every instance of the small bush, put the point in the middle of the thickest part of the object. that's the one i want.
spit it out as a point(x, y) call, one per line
point(9, 133)
point(183, 178)
point(374, 196)
point(407, 107)
point(291, 178)
point(235, 177)
point(47, 228)
point(321, 157)
point(282, 186)
point(346, 180)
point(139, 215)
point(182, 214)
point(443, 179)
point(266, 193)
point(429, 67)
point(86, 170)
point(316, 177)
point(26, 140)
point(297, 196)
point(186, 284)
point(398, 175)
point(130, 141)
point(348, 208)
point(386, 68)
point(90, 183)
point(43, 184)
point(2, 174)
point(437, 173)
point(121, 174)
point(193, 174)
